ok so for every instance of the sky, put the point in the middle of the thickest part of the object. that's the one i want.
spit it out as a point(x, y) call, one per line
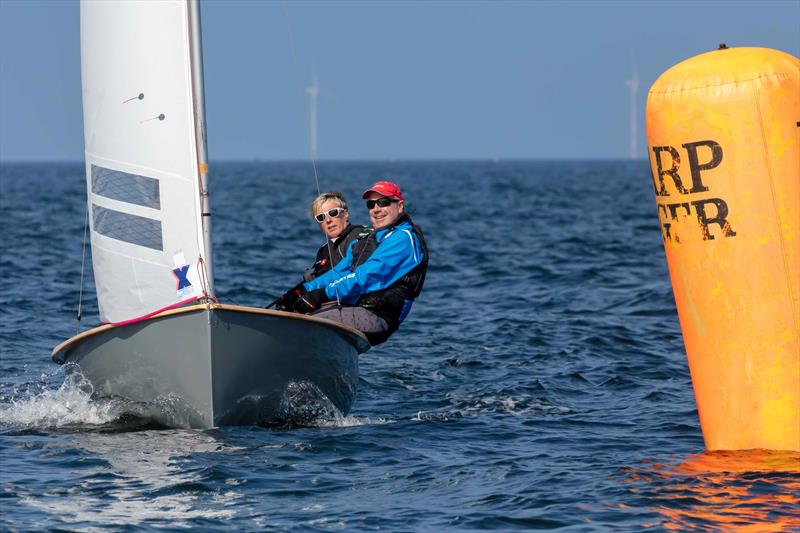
point(399, 80)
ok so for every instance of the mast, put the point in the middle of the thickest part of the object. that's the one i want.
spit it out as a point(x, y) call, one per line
point(200, 134)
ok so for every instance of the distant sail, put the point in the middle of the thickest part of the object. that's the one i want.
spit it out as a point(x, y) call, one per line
point(141, 156)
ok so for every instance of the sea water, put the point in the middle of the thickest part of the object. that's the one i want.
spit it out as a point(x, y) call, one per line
point(539, 382)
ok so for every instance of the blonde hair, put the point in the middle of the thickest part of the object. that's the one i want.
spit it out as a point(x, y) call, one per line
point(336, 196)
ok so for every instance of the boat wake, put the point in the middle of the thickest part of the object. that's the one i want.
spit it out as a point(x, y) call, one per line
point(72, 407)
point(303, 404)
point(71, 404)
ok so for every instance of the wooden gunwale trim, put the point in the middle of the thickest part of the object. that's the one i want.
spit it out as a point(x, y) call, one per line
point(297, 316)
point(203, 307)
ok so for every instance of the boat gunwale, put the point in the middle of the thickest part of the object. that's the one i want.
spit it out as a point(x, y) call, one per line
point(208, 307)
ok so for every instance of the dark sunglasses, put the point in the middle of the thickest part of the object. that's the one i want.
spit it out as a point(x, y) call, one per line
point(333, 213)
point(382, 202)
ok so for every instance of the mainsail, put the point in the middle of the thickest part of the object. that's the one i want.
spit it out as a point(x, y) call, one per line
point(142, 167)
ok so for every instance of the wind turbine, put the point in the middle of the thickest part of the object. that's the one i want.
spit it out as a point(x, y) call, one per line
point(313, 93)
point(633, 85)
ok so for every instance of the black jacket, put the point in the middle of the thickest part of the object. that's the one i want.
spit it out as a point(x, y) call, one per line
point(327, 256)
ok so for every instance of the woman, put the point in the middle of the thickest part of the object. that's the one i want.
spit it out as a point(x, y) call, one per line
point(329, 210)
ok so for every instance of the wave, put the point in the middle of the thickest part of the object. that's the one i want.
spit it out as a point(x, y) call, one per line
point(70, 404)
point(304, 404)
point(492, 404)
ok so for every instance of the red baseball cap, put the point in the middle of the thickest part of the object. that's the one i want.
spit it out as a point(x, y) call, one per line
point(386, 188)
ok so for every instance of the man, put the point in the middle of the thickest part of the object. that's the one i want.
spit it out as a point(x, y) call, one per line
point(382, 273)
point(329, 209)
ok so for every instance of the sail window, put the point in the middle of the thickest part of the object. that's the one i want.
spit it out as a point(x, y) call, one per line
point(126, 187)
point(133, 229)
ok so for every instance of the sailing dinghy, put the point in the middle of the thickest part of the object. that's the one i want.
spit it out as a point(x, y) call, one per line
point(166, 341)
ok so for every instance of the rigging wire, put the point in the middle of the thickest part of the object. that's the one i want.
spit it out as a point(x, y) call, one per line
point(298, 80)
point(83, 263)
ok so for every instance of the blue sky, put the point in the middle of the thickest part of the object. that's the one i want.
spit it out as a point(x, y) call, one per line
point(401, 80)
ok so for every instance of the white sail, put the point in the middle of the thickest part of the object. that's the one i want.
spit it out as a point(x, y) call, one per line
point(141, 156)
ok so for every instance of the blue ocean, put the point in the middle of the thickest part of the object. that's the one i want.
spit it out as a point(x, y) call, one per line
point(540, 382)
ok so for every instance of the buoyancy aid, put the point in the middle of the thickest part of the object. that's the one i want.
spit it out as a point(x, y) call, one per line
point(394, 302)
point(330, 253)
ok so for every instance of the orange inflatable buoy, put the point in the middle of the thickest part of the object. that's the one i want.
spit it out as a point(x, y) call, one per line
point(723, 132)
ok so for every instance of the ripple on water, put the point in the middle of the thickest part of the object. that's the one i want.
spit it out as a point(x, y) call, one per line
point(539, 382)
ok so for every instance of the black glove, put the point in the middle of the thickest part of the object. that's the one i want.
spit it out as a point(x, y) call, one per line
point(289, 298)
point(310, 301)
point(315, 270)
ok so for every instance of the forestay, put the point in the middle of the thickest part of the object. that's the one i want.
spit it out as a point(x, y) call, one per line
point(141, 156)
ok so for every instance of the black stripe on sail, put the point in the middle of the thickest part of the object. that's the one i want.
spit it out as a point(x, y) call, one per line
point(133, 229)
point(126, 187)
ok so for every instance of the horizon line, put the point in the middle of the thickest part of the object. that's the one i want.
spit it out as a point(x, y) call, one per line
point(363, 160)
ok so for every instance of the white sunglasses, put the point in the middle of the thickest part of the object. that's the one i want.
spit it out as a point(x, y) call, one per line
point(333, 213)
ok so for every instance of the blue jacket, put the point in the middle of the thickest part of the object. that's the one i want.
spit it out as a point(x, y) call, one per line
point(398, 253)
